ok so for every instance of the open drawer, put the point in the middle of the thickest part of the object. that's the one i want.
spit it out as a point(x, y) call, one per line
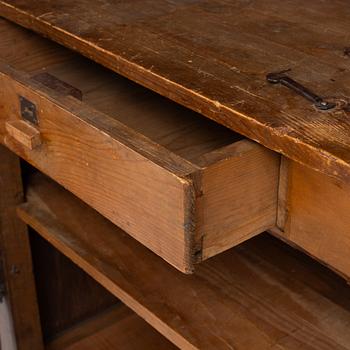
point(180, 184)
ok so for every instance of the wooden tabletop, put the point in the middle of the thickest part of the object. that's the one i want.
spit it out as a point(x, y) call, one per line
point(213, 57)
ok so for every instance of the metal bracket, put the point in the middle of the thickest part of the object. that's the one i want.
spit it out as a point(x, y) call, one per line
point(28, 110)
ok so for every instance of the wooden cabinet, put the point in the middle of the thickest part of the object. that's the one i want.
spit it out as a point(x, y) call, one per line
point(140, 136)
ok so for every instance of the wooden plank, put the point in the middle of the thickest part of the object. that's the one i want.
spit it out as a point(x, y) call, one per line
point(24, 133)
point(117, 328)
point(16, 256)
point(238, 188)
point(261, 295)
point(318, 220)
point(223, 52)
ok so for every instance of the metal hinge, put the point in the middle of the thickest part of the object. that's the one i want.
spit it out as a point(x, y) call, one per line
point(28, 111)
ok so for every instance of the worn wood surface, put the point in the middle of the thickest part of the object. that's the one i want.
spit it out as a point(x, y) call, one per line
point(318, 216)
point(178, 129)
point(117, 328)
point(239, 185)
point(213, 56)
point(182, 185)
point(66, 294)
point(24, 133)
point(260, 295)
point(134, 182)
point(16, 256)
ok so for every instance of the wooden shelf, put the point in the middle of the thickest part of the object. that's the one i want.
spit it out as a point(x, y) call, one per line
point(260, 295)
point(118, 328)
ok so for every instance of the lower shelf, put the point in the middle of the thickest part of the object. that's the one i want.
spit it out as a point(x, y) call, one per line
point(259, 295)
point(118, 328)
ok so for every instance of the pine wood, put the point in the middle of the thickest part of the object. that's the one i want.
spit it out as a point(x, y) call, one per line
point(24, 133)
point(168, 124)
point(260, 295)
point(213, 57)
point(16, 256)
point(318, 216)
point(117, 328)
point(249, 174)
point(182, 185)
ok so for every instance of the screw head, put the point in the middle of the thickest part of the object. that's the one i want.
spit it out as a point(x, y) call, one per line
point(324, 105)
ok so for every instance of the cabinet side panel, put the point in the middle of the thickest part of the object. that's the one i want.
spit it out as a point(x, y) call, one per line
point(319, 217)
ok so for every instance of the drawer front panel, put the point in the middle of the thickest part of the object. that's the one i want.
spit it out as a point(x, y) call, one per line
point(144, 192)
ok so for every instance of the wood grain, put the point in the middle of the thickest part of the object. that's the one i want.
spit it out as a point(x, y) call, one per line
point(117, 328)
point(182, 185)
point(114, 169)
point(318, 220)
point(16, 256)
point(238, 187)
point(24, 133)
point(261, 295)
point(178, 129)
point(213, 57)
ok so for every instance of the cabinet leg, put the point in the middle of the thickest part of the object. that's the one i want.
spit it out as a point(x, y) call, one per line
point(16, 257)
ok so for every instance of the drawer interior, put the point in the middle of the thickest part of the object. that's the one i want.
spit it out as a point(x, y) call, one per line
point(180, 130)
